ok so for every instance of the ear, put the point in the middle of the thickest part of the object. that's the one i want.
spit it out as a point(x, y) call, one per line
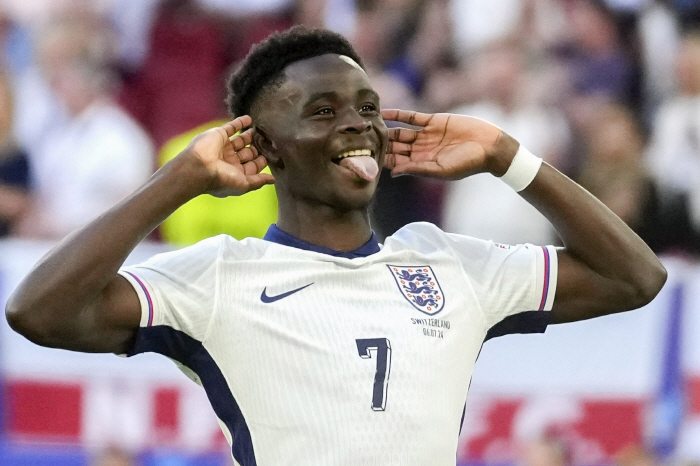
point(266, 147)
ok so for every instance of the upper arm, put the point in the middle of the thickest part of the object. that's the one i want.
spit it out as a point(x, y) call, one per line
point(110, 324)
point(174, 289)
point(583, 294)
point(107, 324)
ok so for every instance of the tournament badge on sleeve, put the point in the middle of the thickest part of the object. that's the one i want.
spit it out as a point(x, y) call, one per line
point(420, 287)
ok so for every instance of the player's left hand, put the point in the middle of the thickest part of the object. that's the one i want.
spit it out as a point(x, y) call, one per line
point(446, 145)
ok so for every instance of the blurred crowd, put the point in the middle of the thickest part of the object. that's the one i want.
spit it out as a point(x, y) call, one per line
point(93, 95)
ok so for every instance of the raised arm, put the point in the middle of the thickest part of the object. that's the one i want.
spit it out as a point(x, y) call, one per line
point(74, 299)
point(604, 267)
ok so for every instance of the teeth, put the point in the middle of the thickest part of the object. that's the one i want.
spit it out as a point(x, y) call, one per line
point(352, 153)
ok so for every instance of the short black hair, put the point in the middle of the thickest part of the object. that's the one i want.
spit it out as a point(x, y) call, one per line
point(266, 61)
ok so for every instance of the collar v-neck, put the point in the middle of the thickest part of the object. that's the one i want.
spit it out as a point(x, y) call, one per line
point(275, 235)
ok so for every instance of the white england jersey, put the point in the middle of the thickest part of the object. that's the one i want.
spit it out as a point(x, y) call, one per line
point(314, 359)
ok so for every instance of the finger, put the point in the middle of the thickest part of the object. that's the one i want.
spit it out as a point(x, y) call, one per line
point(390, 160)
point(247, 154)
point(407, 116)
point(237, 124)
point(393, 160)
point(404, 135)
point(241, 140)
point(399, 148)
point(430, 169)
point(259, 180)
point(255, 166)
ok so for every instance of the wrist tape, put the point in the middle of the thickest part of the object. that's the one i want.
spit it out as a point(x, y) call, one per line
point(522, 169)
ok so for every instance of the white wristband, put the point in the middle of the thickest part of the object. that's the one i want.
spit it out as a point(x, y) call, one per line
point(522, 170)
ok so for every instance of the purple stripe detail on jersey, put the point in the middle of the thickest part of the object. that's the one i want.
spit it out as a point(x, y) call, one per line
point(275, 235)
point(545, 291)
point(190, 352)
point(148, 298)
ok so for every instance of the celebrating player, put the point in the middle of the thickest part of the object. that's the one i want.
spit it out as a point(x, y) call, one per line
point(318, 345)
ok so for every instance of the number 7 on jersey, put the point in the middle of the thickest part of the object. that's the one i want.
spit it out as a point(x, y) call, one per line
point(382, 346)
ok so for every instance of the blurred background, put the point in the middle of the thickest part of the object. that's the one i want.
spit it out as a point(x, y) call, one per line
point(95, 95)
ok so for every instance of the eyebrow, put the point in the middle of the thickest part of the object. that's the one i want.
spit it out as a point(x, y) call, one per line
point(333, 94)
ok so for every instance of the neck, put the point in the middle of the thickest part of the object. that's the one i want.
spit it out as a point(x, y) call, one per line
point(325, 226)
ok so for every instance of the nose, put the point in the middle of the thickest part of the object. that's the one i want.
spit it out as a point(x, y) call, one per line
point(353, 122)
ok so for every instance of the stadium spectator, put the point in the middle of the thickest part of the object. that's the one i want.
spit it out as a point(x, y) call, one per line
point(600, 64)
point(484, 23)
point(674, 152)
point(658, 41)
point(178, 85)
point(614, 172)
point(36, 107)
point(100, 154)
point(478, 205)
point(14, 166)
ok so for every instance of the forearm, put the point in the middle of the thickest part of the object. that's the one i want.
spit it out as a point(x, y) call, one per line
point(68, 280)
point(619, 270)
point(590, 231)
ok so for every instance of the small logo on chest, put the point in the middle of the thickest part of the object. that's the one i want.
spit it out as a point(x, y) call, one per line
point(420, 287)
point(264, 297)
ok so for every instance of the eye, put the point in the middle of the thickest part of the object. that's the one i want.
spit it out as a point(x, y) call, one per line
point(324, 111)
point(368, 108)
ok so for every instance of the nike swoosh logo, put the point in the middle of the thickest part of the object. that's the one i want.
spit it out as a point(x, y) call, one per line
point(271, 299)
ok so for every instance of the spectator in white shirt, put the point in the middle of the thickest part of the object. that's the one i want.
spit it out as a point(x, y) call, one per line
point(100, 155)
point(479, 206)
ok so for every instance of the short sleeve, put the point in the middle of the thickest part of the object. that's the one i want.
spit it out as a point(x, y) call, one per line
point(177, 289)
point(515, 285)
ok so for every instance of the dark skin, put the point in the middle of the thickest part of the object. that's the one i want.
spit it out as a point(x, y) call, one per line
point(326, 106)
point(74, 299)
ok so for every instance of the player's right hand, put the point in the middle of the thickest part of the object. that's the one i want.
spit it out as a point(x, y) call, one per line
point(231, 162)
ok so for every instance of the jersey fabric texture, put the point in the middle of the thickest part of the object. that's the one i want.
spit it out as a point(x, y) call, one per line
point(315, 357)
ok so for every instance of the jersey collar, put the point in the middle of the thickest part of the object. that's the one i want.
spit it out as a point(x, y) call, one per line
point(278, 236)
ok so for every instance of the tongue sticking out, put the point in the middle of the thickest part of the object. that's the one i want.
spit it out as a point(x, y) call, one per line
point(364, 166)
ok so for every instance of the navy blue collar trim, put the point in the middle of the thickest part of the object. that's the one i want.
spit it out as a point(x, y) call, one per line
point(278, 236)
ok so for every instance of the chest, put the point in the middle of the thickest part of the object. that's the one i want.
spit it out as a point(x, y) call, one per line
point(415, 318)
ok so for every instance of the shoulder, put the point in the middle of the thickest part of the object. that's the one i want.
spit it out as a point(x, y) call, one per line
point(205, 251)
point(425, 235)
point(208, 255)
point(417, 233)
point(473, 253)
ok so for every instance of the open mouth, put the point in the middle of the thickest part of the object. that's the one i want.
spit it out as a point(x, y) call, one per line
point(358, 162)
point(353, 153)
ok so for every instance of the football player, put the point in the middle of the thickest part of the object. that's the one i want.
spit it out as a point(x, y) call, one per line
point(317, 345)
